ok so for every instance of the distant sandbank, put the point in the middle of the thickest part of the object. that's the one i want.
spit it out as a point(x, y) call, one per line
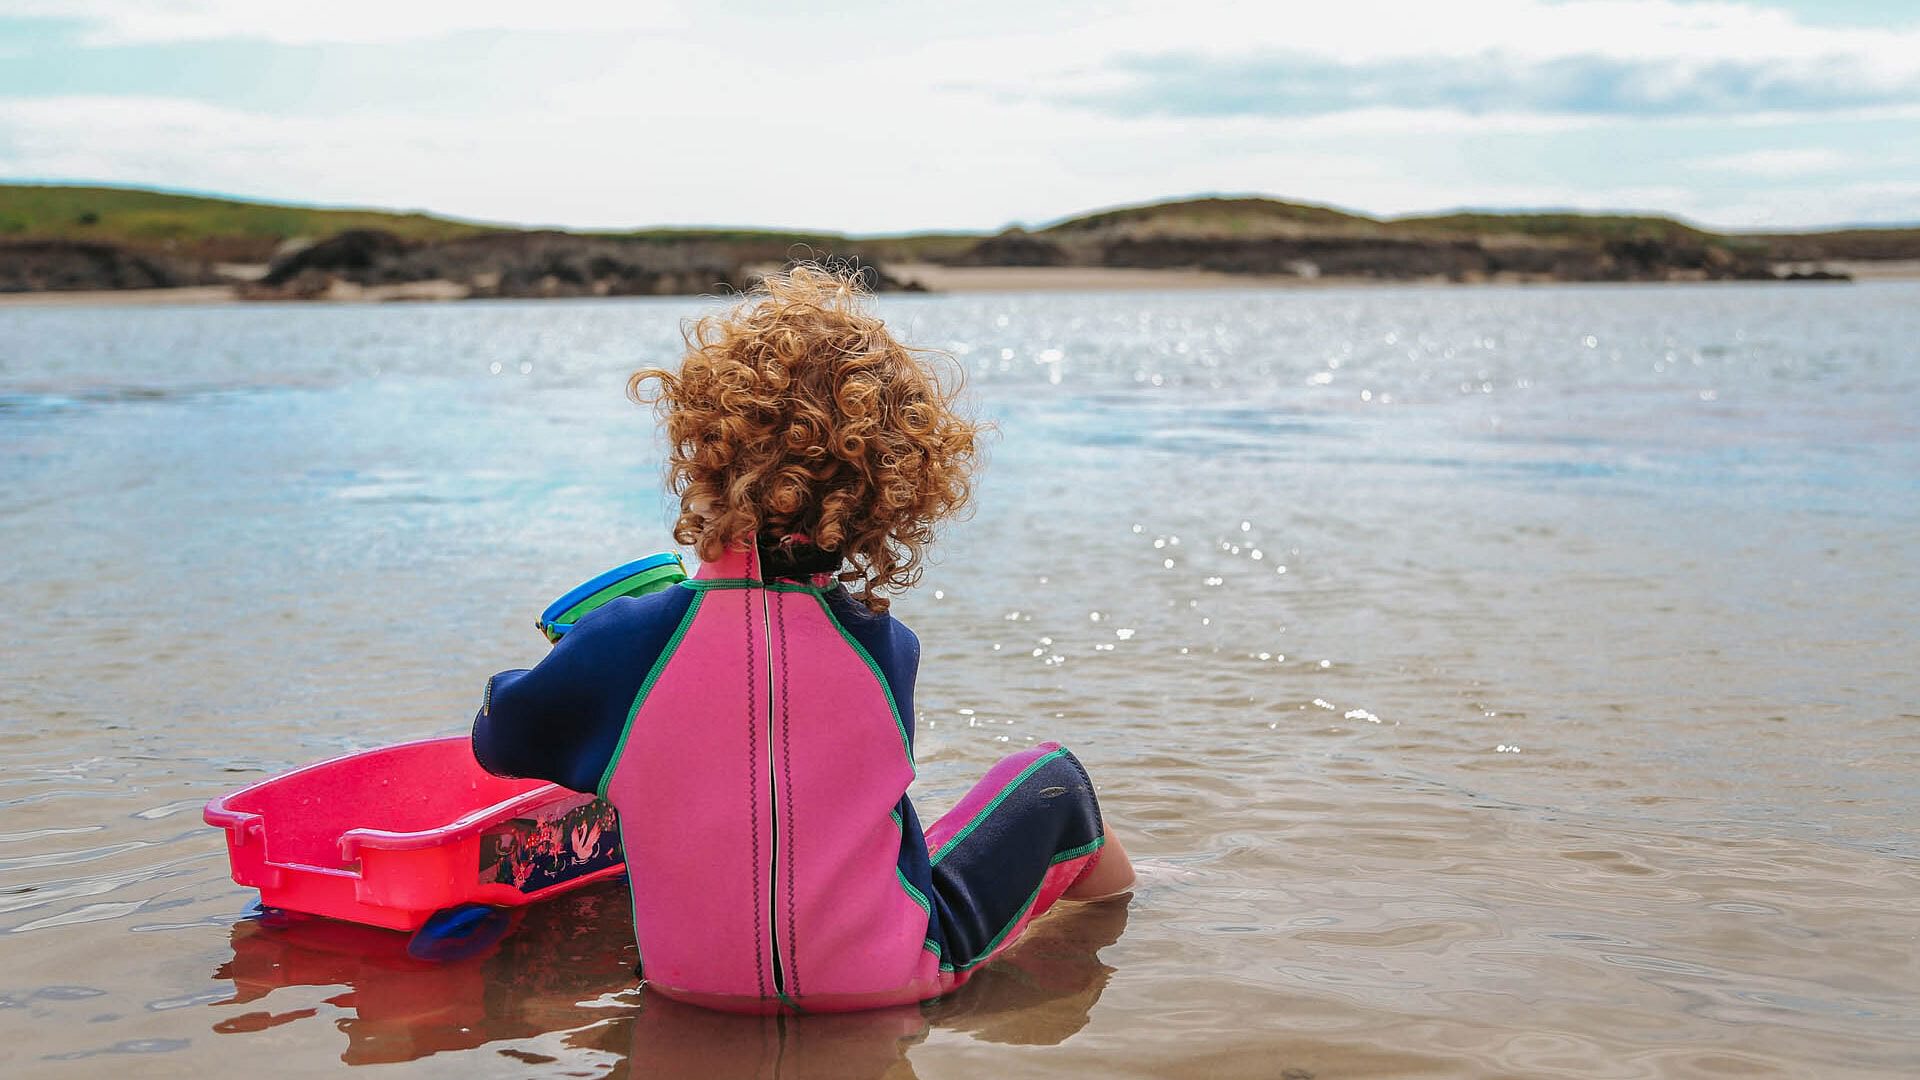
point(192, 294)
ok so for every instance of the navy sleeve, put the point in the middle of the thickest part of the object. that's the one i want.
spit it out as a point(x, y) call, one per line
point(889, 642)
point(562, 719)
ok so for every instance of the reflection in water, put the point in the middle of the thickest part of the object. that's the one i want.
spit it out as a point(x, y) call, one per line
point(568, 964)
point(664, 1038)
point(400, 1008)
point(1040, 991)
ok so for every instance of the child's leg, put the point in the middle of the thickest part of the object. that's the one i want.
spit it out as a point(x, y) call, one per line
point(1110, 875)
point(1028, 834)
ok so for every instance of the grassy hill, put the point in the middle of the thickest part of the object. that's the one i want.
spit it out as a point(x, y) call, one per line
point(1554, 226)
point(1213, 217)
point(1865, 244)
point(193, 226)
point(1252, 235)
point(233, 230)
point(1249, 217)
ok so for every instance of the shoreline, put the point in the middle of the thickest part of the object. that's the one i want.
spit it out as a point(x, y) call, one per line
point(187, 294)
point(935, 278)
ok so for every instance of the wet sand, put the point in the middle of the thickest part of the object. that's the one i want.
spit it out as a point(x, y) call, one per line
point(197, 294)
point(339, 293)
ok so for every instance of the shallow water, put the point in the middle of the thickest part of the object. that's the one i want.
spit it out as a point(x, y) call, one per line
point(1489, 682)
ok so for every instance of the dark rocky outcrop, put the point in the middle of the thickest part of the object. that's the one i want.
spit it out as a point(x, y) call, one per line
point(1349, 252)
point(1866, 245)
point(564, 264)
point(515, 264)
point(354, 250)
point(1014, 247)
point(537, 264)
point(66, 265)
point(872, 277)
point(1384, 257)
point(1815, 275)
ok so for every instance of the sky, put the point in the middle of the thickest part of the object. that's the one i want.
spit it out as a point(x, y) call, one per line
point(900, 116)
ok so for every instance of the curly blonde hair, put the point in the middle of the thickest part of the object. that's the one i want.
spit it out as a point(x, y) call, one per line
point(795, 413)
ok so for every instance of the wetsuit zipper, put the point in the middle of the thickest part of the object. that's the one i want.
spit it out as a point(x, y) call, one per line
point(773, 804)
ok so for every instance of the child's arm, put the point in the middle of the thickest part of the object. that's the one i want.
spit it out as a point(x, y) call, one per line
point(561, 719)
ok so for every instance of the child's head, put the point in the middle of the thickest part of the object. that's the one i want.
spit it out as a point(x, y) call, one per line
point(795, 413)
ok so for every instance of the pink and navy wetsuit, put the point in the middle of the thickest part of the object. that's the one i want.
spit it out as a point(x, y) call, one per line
point(755, 733)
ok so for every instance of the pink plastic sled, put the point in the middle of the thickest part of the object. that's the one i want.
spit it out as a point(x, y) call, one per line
point(390, 837)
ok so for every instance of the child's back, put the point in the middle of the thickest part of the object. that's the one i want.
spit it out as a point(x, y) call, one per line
point(754, 725)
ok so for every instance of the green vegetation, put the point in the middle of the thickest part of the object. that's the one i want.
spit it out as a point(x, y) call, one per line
point(1257, 216)
point(1557, 226)
point(192, 225)
point(915, 247)
point(773, 244)
point(196, 226)
point(1844, 244)
point(1214, 217)
point(718, 236)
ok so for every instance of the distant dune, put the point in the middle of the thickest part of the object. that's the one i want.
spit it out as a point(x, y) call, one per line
point(61, 239)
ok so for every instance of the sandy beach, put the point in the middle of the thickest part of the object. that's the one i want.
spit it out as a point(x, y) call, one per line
point(198, 294)
point(1878, 270)
point(340, 292)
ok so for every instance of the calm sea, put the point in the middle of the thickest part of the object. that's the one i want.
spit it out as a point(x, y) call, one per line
point(1490, 682)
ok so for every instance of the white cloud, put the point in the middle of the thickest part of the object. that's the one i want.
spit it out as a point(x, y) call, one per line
point(1030, 38)
point(133, 22)
point(1368, 30)
point(669, 163)
point(182, 143)
point(686, 167)
point(1778, 163)
point(901, 118)
point(1892, 202)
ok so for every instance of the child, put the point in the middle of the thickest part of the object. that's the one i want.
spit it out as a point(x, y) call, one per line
point(754, 724)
